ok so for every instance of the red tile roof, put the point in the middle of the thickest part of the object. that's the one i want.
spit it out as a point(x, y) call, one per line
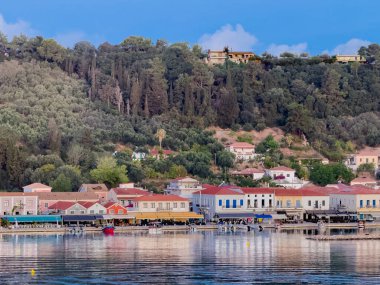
point(160, 197)
point(358, 190)
point(110, 204)
point(281, 168)
point(253, 190)
point(94, 187)
point(216, 190)
point(242, 145)
point(299, 192)
point(130, 191)
point(62, 205)
point(247, 171)
point(87, 204)
point(17, 194)
point(68, 196)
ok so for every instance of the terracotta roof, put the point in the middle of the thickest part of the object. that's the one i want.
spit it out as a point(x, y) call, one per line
point(368, 152)
point(164, 151)
point(216, 190)
point(130, 191)
point(160, 197)
point(242, 145)
point(94, 187)
point(110, 204)
point(358, 190)
point(68, 196)
point(183, 178)
point(281, 168)
point(87, 204)
point(37, 185)
point(299, 192)
point(363, 180)
point(62, 205)
point(253, 190)
point(15, 194)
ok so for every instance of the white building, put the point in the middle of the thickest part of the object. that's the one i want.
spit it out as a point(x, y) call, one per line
point(124, 196)
point(242, 150)
point(138, 155)
point(94, 208)
point(258, 198)
point(366, 181)
point(286, 177)
point(183, 187)
point(315, 200)
point(254, 173)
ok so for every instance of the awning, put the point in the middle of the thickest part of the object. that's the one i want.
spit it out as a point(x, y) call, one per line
point(165, 215)
point(236, 215)
point(117, 217)
point(33, 219)
point(263, 216)
point(279, 216)
point(81, 218)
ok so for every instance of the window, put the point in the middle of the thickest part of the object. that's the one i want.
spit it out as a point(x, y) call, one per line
point(288, 203)
point(46, 205)
point(367, 203)
point(309, 203)
point(120, 211)
point(153, 205)
point(175, 205)
point(220, 203)
point(159, 205)
point(167, 206)
point(323, 203)
point(6, 203)
point(183, 205)
point(101, 212)
point(374, 203)
point(361, 203)
point(270, 195)
point(145, 205)
point(262, 195)
point(91, 211)
point(287, 175)
point(112, 211)
point(241, 202)
point(82, 212)
point(72, 212)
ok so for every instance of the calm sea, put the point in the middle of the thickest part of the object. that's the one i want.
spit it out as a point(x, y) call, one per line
point(180, 258)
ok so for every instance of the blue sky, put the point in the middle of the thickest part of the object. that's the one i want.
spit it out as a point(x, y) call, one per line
point(314, 26)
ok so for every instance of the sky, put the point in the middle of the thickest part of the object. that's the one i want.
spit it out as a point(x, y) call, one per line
point(275, 26)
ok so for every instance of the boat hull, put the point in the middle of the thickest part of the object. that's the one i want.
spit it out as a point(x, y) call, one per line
point(109, 230)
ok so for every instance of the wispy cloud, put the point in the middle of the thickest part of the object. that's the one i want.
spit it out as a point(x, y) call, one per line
point(350, 47)
point(15, 29)
point(279, 49)
point(236, 38)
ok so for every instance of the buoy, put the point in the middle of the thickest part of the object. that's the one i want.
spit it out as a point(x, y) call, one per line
point(32, 272)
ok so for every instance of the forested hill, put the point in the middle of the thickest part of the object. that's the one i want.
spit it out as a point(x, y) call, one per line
point(57, 100)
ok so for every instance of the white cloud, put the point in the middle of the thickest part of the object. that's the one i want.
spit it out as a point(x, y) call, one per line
point(350, 47)
point(15, 29)
point(70, 39)
point(235, 38)
point(276, 50)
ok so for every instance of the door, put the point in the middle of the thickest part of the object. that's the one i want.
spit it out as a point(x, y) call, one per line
point(227, 203)
point(234, 204)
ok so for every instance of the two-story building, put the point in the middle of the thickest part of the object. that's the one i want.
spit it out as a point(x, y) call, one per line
point(242, 150)
point(124, 196)
point(350, 58)
point(114, 208)
point(183, 187)
point(36, 187)
point(220, 56)
point(365, 156)
point(18, 203)
point(93, 208)
point(67, 208)
point(259, 199)
point(285, 177)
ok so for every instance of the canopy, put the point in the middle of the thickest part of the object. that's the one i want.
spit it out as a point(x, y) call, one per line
point(117, 217)
point(81, 218)
point(33, 219)
point(279, 216)
point(263, 216)
point(165, 215)
point(236, 215)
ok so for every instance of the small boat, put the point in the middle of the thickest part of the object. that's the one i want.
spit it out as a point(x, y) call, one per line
point(108, 230)
point(155, 231)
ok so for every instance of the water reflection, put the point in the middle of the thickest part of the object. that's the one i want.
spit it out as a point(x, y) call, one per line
point(180, 258)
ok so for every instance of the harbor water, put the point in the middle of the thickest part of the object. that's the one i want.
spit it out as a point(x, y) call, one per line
point(209, 257)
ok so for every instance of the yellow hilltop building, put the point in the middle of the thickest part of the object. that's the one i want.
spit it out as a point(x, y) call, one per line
point(350, 58)
point(220, 56)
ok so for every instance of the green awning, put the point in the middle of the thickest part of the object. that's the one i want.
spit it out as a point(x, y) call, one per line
point(33, 219)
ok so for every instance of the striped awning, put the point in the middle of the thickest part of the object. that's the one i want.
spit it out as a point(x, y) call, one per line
point(165, 215)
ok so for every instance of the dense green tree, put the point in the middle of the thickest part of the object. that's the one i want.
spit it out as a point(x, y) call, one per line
point(330, 174)
point(107, 171)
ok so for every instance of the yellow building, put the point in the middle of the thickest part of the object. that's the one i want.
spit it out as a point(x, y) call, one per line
point(219, 57)
point(350, 58)
point(362, 157)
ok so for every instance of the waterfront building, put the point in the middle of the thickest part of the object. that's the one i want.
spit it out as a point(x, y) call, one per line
point(366, 181)
point(36, 187)
point(183, 187)
point(18, 203)
point(67, 208)
point(124, 196)
point(93, 208)
point(45, 200)
point(259, 199)
point(242, 150)
point(114, 208)
point(158, 203)
point(100, 190)
point(253, 173)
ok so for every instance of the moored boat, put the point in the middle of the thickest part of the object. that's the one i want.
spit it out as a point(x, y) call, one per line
point(108, 230)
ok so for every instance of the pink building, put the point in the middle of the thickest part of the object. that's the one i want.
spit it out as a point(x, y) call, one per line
point(99, 189)
point(36, 187)
point(242, 150)
point(18, 203)
point(48, 199)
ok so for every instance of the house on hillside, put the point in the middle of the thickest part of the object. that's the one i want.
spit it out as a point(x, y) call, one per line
point(362, 157)
point(220, 56)
point(158, 154)
point(138, 155)
point(183, 186)
point(350, 58)
point(242, 150)
point(365, 181)
point(36, 187)
point(285, 177)
point(100, 190)
point(253, 173)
